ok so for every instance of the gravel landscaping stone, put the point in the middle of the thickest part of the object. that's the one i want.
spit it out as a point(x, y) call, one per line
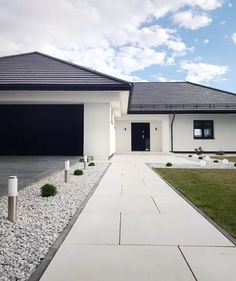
point(40, 220)
point(196, 163)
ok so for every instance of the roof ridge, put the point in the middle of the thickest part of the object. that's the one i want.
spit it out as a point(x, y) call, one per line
point(212, 88)
point(17, 55)
point(72, 64)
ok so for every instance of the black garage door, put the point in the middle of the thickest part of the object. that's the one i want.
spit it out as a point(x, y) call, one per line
point(41, 129)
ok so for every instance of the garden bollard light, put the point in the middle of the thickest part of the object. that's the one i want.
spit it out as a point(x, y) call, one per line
point(12, 198)
point(67, 169)
point(85, 161)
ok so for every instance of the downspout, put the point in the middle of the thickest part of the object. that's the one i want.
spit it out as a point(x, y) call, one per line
point(172, 133)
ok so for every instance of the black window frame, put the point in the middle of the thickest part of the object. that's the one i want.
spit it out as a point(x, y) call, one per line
point(203, 125)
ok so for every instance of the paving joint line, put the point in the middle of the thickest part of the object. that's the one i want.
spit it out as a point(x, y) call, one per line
point(194, 276)
point(120, 230)
point(155, 204)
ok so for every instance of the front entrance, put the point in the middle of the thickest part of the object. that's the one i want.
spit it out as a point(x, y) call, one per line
point(140, 136)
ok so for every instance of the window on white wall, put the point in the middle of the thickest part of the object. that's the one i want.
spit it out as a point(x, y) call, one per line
point(203, 129)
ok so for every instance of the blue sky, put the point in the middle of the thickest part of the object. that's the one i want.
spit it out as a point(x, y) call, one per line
point(137, 40)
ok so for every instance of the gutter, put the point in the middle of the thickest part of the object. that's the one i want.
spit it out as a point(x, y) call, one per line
point(172, 133)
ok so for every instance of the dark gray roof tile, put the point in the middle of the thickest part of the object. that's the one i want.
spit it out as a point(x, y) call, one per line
point(158, 97)
point(40, 69)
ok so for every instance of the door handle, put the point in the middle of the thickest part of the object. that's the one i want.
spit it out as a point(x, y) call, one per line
point(143, 137)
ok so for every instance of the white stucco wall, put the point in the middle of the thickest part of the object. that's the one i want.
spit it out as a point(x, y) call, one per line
point(159, 139)
point(97, 130)
point(112, 133)
point(224, 133)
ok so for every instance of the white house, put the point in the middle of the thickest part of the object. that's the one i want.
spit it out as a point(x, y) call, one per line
point(52, 107)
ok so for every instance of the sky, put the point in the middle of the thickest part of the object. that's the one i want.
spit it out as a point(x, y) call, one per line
point(136, 40)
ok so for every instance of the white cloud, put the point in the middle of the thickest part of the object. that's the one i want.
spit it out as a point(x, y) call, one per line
point(131, 59)
point(200, 72)
point(223, 22)
point(234, 37)
point(176, 45)
point(230, 4)
point(162, 78)
point(170, 61)
point(206, 41)
point(116, 37)
point(190, 20)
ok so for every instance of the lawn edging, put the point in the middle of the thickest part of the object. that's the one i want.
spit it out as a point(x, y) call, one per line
point(41, 268)
point(216, 225)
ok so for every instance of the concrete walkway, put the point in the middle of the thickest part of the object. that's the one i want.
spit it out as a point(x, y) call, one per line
point(136, 228)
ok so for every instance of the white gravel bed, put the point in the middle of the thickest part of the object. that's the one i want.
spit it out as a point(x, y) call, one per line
point(40, 220)
point(205, 163)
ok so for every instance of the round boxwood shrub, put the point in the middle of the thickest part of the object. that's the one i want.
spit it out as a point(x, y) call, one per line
point(216, 161)
point(200, 157)
point(78, 172)
point(48, 190)
point(91, 164)
point(168, 164)
point(234, 164)
point(190, 155)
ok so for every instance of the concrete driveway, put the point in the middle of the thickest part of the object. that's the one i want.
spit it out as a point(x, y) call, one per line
point(28, 168)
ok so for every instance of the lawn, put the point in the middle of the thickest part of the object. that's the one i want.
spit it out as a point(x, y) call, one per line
point(212, 190)
point(230, 158)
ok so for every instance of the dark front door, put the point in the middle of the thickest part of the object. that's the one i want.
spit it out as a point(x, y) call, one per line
point(140, 136)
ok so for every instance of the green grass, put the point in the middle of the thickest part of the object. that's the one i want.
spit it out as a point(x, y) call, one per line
point(230, 158)
point(212, 190)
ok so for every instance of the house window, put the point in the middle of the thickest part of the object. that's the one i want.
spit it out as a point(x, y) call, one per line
point(203, 129)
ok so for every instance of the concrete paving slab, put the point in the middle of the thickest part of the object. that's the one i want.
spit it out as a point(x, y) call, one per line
point(212, 263)
point(168, 204)
point(116, 203)
point(104, 203)
point(170, 229)
point(138, 204)
point(95, 228)
point(108, 189)
point(117, 263)
point(136, 190)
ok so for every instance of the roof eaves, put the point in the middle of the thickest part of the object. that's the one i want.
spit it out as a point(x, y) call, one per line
point(64, 87)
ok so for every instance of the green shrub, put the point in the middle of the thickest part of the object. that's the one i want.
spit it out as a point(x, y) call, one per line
point(200, 157)
point(168, 164)
point(91, 164)
point(78, 172)
point(198, 150)
point(190, 155)
point(234, 164)
point(216, 161)
point(48, 190)
point(220, 152)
